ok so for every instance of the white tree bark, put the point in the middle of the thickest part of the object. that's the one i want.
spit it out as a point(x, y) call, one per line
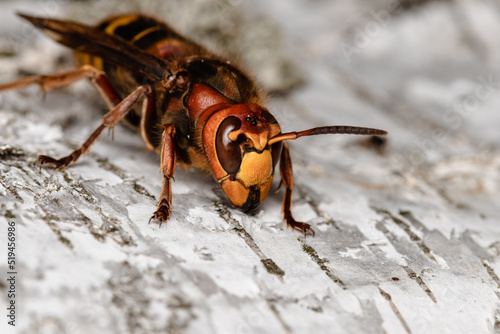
point(407, 232)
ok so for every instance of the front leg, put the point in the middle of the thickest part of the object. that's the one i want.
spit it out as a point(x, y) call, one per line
point(287, 179)
point(162, 213)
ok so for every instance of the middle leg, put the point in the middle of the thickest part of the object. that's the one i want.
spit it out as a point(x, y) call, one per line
point(109, 120)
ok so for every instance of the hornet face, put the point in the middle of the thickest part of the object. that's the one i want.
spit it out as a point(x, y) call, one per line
point(239, 154)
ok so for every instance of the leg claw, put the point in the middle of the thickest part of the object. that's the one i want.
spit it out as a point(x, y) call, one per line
point(162, 214)
point(56, 163)
point(299, 226)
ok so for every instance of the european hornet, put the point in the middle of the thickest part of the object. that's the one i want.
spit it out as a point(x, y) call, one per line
point(198, 108)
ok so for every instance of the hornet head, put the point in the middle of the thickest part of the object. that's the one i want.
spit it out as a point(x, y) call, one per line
point(236, 141)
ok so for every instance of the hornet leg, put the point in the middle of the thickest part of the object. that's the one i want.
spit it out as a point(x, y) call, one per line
point(118, 107)
point(109, 120)
point(162, 213)
point(287, 179)
point(50, 82)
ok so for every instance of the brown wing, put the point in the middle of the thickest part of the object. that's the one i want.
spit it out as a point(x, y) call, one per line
point(113, 49)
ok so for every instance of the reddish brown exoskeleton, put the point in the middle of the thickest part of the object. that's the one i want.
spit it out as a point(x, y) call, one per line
point(198, 109)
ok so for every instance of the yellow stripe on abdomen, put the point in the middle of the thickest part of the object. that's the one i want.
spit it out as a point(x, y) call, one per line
point(144, 33)
point(86, 59)
point(119, 22)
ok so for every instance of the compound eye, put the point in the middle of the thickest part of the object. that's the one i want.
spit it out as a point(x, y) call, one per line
point(228, 151)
